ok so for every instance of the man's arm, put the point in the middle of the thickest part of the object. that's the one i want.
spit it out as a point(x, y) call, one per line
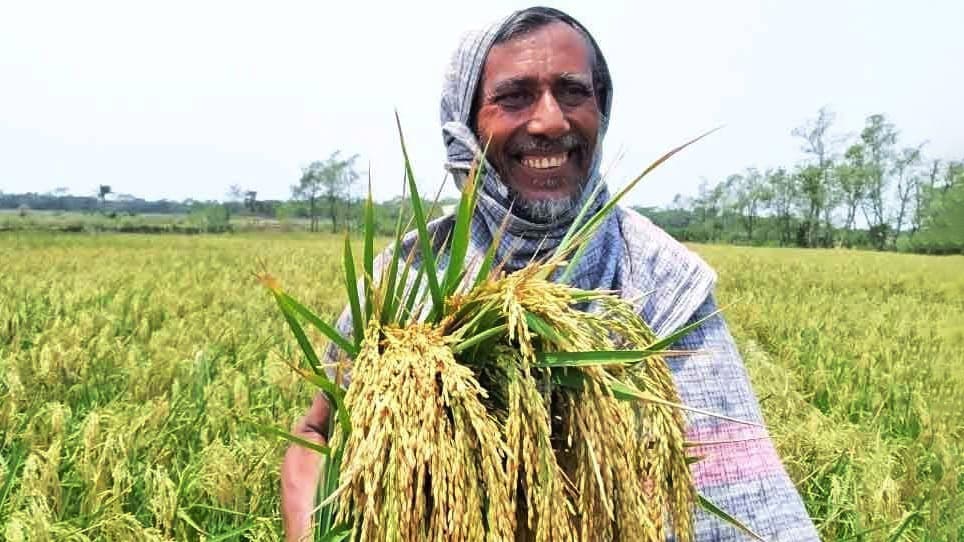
point(301, 471)
point(744, 476)
point(301, 467)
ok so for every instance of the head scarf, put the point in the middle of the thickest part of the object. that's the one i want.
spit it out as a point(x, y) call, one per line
point(523, 240)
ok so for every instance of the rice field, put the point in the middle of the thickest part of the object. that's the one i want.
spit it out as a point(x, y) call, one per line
point(133, 367)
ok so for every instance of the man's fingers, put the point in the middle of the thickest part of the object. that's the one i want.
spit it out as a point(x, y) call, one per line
point(313, 426)
point(315, 420)
point(320, 410)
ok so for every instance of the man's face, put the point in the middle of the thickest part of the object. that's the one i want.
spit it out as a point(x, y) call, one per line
point(537, 104)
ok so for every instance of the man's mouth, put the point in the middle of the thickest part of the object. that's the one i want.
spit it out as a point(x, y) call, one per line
point(544, 162)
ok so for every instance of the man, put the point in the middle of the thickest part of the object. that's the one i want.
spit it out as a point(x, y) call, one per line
point(537, 88)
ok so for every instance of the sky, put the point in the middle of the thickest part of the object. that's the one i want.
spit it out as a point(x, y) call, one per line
point(181, 100)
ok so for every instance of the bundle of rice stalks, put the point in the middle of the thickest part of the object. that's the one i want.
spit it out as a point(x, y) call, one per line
point(424, 459)
point(493, 406)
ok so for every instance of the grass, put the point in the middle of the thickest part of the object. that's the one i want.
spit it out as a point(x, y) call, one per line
point(133, 369)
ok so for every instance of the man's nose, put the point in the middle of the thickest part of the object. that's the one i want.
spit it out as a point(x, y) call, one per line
point(548, 119)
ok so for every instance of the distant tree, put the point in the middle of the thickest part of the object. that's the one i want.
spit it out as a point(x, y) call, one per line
point(235, 199)
point(330, 179)
point(818, 144)
point(750, 197)
point(783, 190)
point(102, 193)
point(812, 196)
point(309, 189)
point(878, 137)
point(251, 200)
point(924, 191)
point(953, 175)
point(942, 224)
point(852, 179)
point(908, 179)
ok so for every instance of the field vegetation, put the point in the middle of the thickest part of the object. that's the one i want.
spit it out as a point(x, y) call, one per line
point(133, 369)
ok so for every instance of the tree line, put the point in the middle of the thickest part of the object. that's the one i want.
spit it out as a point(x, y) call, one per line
point(871, 190)
point(325, 197)
point(868, 190)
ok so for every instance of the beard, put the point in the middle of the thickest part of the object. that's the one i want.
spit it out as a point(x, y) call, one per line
point(545, 211)
point(549, 209)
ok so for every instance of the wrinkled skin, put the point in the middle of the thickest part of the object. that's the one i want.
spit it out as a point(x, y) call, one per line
point(536, 101)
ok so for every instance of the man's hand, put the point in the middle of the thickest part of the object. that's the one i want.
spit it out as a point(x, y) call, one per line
point(301, 471)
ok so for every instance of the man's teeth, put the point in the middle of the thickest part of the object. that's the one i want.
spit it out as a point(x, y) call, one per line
point(545, 162)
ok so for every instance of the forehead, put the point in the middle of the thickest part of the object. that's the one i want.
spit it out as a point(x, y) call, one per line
point(547, 51)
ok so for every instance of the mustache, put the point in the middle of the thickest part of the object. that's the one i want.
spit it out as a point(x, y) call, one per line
point(527, 144)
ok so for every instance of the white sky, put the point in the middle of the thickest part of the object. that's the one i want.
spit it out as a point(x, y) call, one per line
point(183, 99)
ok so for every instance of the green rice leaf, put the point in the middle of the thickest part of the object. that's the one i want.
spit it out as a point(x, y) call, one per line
point(574, 380)
point(398, 301)
point(487, 261)
point(623, 391)
point(428, 255)
point(182, 513)
point(670, 340)
point(16, 457)
point(903, 523)
point(543, 329)
point(412, 295)
point(589, 359)
point(574, 227)
point(896, 535)
point(233, 534)
point(712, 508)
point(391, 301)
point(477, 339)
point(320, 381)
point(461, 235)
point(369, 254)
point(290, 305)
point(477, 313)
point(328, 512)
point(337, 533)
point(334, 393)
point(586, 230)
point(693, 459)
point(351, 285)
point(272, 431)
point(289, 315)
point(216, 509)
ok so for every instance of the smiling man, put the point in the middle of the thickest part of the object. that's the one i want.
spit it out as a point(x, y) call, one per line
point(537, 107)
point(536, 87)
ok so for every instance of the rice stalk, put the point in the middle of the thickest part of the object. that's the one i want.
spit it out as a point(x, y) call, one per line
point(424, 459)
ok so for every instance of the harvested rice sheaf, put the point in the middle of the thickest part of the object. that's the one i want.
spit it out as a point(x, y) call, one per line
point(493, 406)
point(489, 447)
point(424, 459)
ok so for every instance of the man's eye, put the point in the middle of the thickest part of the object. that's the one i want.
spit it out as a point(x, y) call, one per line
point(513, 100)
point(574, 94)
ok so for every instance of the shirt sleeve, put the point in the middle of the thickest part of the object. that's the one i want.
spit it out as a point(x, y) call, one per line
point(740, 471)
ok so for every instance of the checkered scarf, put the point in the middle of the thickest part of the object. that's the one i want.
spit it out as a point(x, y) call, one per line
point(524, 240)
